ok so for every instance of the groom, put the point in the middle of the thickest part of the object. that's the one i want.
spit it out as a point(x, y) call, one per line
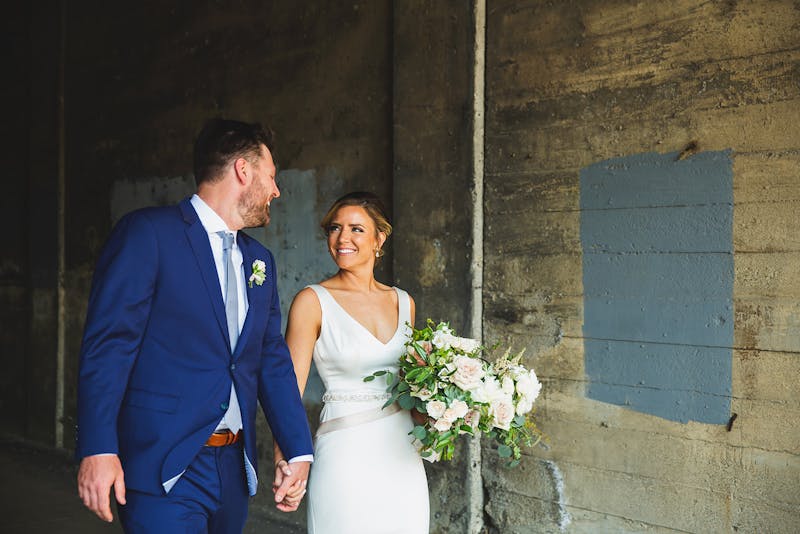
point(182, 335)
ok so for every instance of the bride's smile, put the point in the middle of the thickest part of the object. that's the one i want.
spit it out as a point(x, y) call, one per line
point(353, 238)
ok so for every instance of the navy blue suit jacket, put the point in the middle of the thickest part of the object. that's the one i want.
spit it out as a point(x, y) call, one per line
point(156, 366)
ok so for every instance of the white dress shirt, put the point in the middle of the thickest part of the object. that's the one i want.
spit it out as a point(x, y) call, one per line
point(213, 223)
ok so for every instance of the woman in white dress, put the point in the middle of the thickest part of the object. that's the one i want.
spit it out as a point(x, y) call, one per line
point(366, 476)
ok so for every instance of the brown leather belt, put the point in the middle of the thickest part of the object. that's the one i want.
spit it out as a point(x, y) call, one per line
point(220, 438)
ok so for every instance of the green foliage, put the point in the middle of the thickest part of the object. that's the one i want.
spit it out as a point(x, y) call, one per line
point(428, 372)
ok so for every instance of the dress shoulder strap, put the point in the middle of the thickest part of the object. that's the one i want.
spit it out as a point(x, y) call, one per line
point(403, 306)
point(322, 295)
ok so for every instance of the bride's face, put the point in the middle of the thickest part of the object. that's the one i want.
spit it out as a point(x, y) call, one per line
point(353, 237)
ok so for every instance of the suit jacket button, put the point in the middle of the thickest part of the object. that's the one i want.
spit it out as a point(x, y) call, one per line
point(233, 366)
point(224, 406)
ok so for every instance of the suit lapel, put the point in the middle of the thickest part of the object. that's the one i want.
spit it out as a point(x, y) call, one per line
point(253, 300)
point(198, 238)
point(255, 294)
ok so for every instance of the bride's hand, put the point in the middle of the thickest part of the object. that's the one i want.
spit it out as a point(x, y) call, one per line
point(293, 497)
point(281, 470)
point(292, 487)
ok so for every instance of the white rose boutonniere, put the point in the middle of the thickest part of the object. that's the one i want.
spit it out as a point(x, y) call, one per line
point(259, 273)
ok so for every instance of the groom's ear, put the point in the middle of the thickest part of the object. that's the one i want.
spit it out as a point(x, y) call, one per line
point(242, 171)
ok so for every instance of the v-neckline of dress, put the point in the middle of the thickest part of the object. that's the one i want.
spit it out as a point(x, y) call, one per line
point(367, 330)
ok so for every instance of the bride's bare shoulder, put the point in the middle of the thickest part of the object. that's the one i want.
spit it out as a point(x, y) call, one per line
point(306, 300)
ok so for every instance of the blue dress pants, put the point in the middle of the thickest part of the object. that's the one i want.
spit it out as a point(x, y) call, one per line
point(210, 497)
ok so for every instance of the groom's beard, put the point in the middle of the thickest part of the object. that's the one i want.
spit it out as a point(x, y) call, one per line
point(254, 207)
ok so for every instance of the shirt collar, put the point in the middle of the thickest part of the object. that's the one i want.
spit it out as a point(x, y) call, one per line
point(209, 218)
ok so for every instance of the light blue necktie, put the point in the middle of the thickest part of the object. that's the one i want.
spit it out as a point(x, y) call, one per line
point(231, 292)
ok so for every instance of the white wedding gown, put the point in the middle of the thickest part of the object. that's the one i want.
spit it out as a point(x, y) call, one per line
point(366, 476)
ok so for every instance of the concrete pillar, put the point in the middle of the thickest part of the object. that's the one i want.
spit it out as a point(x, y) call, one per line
point(433, 201)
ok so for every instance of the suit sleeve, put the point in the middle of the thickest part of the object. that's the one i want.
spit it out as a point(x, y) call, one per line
point(117, 315)
point(277, 388)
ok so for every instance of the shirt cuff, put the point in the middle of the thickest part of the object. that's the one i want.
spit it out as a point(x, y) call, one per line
point(303, 458)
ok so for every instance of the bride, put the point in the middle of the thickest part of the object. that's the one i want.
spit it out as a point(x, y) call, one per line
point(366, 476)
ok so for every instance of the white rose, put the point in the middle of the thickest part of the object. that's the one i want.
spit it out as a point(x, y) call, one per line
point(524, 406)
point(449, 415)
point(508, 385)
point(528, 386)
point(422, 393)
point(469, 372)
point(442, 425)
point(460, 408)
point(435, 408)
point(441, 340)
point(483, 393)
point(464, 344)
point(502, 412)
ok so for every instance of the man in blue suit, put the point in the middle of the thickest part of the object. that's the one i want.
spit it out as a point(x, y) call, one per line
point(182, 337)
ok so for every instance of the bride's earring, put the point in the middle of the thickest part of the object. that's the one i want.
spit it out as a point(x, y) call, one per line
point(377, 253)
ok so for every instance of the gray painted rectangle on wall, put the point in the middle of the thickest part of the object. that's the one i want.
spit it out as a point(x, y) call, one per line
point(657, 243)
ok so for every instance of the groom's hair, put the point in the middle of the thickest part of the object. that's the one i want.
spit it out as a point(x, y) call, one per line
point(222, 141)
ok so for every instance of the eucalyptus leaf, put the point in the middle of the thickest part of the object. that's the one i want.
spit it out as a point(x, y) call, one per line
point(504, 451)
point(405, 401)
point(369, 378)
point(420, 432)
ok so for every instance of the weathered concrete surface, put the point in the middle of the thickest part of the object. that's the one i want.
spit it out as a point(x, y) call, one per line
point(376, 96)
point(432, 170)
point(139, 84)
point(571, 84)
point(14, 261)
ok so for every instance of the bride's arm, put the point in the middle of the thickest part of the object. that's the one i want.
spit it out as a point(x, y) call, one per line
point(302, 330)
point(417, 417)
point(412, 309)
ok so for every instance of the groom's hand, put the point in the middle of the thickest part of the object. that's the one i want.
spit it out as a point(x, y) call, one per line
point(96, 475)
point(290, 484)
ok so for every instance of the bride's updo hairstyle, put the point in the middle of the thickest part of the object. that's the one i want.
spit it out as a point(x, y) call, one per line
point(371, 204)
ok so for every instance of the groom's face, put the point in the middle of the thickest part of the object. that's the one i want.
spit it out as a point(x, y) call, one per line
point(255, 201)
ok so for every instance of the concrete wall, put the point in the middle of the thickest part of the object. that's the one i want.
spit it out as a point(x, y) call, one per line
point(433, 208)
point(574, 85)
point(137, 85)
point(14, 261)
point(668, 124)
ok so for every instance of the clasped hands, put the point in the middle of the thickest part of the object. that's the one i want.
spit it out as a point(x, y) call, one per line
point(97, 474)
point(290, 483)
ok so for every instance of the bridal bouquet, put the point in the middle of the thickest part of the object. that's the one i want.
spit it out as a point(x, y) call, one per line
point(447, 378)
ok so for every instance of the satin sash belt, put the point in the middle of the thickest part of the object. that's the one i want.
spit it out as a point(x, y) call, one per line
point(359, 418)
